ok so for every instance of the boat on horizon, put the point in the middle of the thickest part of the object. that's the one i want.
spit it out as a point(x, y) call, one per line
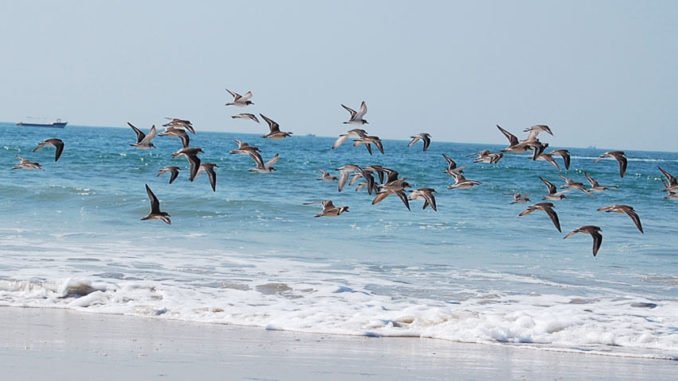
point(55, 124)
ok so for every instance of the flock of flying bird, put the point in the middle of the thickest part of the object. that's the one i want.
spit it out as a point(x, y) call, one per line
point(389, 182)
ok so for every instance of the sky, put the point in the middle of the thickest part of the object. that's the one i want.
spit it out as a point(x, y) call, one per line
point(599, 73)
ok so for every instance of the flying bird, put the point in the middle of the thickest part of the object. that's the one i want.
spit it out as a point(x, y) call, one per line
point(274, 128)
point(519, 198)
point(246, 116)
point(595, 185)
point(172, 170)
point(211, 174)
point(546, 207)
point(144, 141)
point(155, 213)
point(26, 164)
point(329, 210)
point(182, 124)
point(56, 142)
point(425, 194)
point(553, 194)
point(358, 132)
point(624, 209)
point(179, 133)
point(191, 154)
point(595, 233)
point(424, 137)
point(240, 100)
point(619, 156)
point(357, 116)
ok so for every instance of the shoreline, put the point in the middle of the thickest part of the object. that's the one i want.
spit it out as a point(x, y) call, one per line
point(40, 343)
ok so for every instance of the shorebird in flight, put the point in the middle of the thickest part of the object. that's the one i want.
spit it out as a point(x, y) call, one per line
point(350, 169)
point(357, 116)
point(274, 128)
point(548, 157)
point(326, 176)
point(211, 174)
point(182, 124)
point(533, 132)
point(571, 184)
point(595, 185)
point(240, 100)
point(367, 141)
point(191, 154)
point(461, 182)
point(619, 156)
point(144, 141)
point(179, 133)
point(56, 142)
point(329, 210)
point(547, 207)
point(155, 213)
point(594, 231)
point(396, 187)
point(452, 168)
point(516, 146)
point(172, 170)
point(262, 167)
point(671, 182)
point(246, 116)
point(425, 194)
point(485, 156)
point(26, 164)
point(357, 132)
point(519, 198)
point(624, 209)
point(553, 194)
point(565, 154)
point(425, 137)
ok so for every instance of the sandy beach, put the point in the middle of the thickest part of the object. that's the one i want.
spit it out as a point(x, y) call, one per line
point(54, 344)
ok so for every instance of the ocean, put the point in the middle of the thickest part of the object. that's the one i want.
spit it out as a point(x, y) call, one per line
point(252, 253)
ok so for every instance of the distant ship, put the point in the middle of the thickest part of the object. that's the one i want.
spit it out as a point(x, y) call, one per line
point(56, 124)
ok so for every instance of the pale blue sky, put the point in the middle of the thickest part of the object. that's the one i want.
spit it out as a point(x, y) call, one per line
point(601, 73)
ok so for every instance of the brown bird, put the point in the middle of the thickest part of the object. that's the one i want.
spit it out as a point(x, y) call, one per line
point(595, 186)
point(619, 156)
point(179, 133)
point(624, 209)
point(565, 154)
point(425, 194)
point(182, 124)
point(274, 128)
point(424, 137)
point(26, 164)
point(671, 181)
point(211, 174)
point(144, 141)
point(57, 143)
point(357, 116)
point(155, 213)
point(595, 233)
point(191, 154)
point(452, 168)
point(553, 194)
point(240, 100)
point(245, 115)
point(173, 171)
point(396, 187)
point(547, 207)
point(329, 210)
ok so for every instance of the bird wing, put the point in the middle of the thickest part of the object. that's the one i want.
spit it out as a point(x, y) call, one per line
point(513, 140)
point(155, 204)
point(140, 134)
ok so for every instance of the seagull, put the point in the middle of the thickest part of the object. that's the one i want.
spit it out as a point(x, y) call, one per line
point(424, 137)
point(245, 115)
point(396, 187)
point(209, 169)
point(57, 143)
point(595, 233)
point(425, 194)
point(240, 100)
point(547, 207)
point(357, 116)
point(460, 182)
point(571, 184)
point(671, 182)
point(275, 129)
point(174, 172)
point(143, 140)
point(624, 209)
point(620, 157)
point(182, 124)
point(329, 210)
point(595, 186)
point(155, 213)
point(553, 194)
point(519, 198)
point(358, 132)
point(179, 133)
point(26, 164)
point(191, 154)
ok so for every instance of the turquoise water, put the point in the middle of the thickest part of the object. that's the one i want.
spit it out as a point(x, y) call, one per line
point(252, 253)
